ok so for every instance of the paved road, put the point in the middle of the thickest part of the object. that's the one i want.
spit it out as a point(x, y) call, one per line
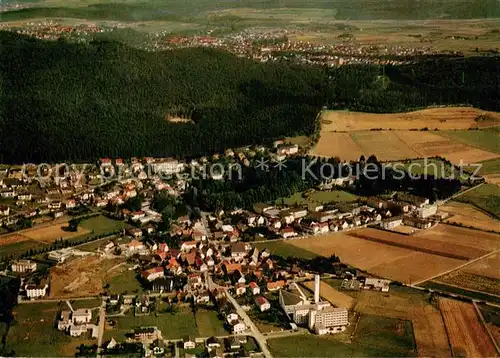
point(102, 321)
point(261, 340)
point(59, 299)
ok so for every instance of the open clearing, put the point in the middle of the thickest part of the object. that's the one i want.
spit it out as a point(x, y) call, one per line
point(81, 277)
point(385, 145)
point(442, 118)
point(54, 232)
point(209, 324)
point(470, 216)
point(467, 335)
point(487, 139)
point(400, 264)
point(335, 297)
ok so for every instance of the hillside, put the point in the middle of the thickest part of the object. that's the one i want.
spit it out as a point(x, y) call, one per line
point(62, 101)
point(203, 11)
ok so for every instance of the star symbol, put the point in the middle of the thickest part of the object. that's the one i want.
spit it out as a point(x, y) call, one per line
point(262, 164)
point(280, 165)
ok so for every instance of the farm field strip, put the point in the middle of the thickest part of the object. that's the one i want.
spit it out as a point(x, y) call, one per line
point(469, 215)
point(466, 333)
point(441, 118)
point(412, 242)
point(393, 262)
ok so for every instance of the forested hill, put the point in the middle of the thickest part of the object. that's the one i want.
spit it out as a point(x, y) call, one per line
point(62, 101)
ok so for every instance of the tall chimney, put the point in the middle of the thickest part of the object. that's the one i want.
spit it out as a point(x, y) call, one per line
point(316, 289)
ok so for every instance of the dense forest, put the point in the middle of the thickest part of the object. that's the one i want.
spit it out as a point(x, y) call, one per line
point(64, 101)
point(265, 186)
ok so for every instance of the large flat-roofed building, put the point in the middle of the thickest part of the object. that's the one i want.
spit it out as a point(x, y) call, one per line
point(320, 317)
point(22, 266)
point(328, 320)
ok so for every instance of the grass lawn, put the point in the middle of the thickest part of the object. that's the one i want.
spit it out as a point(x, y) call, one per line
point(101, 225)
point(172, 326)
point(486, 197)
point(282, 248)
point(460, 291)
point(93, 303)
point(209, 324)
point(316, 197)
point(321, 346)
point(486, 139)
point(124, 281)
point(34, 335)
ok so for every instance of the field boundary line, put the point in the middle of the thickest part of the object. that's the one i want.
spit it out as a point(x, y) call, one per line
point(467, 289)
point(459, 267)
point(483, 322)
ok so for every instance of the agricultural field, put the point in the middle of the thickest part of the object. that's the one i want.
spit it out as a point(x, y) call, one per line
point(332, 295)
point(34, 335)
point(337, 144)
point(176, 325)
point(386, 146)
point(415, 242)
point(469, 216)
point(390, 261)
point(467, 335)
point(348, 135)
point(209, 324)
point(489, 267)
point(373, 336)
point(409, 304)
point(471, 281)
point(487, 139)
point(485, 197)
point(448, 118)
point(459, 291)
point(474, 239)
point(84, 276)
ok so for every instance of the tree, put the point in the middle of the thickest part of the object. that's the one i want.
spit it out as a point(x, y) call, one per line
point(73, 224)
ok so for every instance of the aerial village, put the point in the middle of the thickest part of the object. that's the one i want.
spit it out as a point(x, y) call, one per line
point(212, 260)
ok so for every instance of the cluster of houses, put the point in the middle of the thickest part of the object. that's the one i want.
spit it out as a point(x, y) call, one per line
point(77, 322)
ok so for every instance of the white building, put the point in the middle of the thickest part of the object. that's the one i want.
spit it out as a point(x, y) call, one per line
point(320, 317)
point(35, 291)
point(377, 284)
point(239, 327)
point(23, 266)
